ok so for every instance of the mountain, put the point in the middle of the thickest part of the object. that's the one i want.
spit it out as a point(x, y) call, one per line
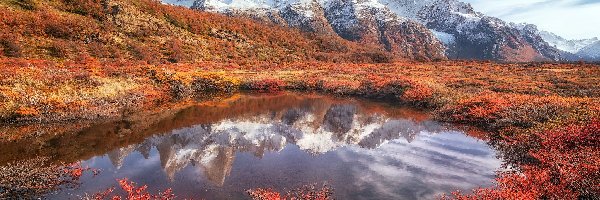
point(571, 50)
point(590, 52)
point(364, 23)
point(532, 35)
point(361, 31)
point(149, 31)
point(476, 35)
point(571, 46)
point(402, 27)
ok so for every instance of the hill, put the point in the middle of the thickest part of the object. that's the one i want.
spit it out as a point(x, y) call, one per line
point(449, 27)
point(148, 31)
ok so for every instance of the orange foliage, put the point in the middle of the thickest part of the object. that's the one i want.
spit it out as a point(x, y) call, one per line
point(93, 8)
point(266, 85)
point(306, 192)
point(567, 167)
point(147, 30)
point(27, 112)
point(501, 110)
point(480, 108)
point(516, 103)
point(264, 194)
point(133, 193)
point(417, 93)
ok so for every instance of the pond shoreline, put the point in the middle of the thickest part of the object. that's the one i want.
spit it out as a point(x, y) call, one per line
point(141, 120)
point(397, 124)
point(522, 122)
point(50, 124)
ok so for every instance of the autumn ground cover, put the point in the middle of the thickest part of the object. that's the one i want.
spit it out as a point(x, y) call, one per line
point(68, 64)
point(151, 32)
point(28, 179)
point(543, 118)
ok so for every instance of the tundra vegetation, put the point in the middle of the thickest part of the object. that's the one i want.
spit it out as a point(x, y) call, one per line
point(65, 61)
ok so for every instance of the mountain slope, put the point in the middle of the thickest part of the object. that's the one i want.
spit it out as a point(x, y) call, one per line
point(394, 24)
point(573, 50)
point(590, 52)
point(362, 22)
point(571, 46)
point(149, 31)
point(531, 34)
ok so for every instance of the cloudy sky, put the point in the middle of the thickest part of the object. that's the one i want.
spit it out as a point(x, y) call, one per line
point(572, 19)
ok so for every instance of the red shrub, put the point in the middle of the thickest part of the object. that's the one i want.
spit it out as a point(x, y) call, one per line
point(417, 93)
point(264, 194)
point(568, 168)
point(266, 85)
point(134, 192)
point(10, 47)
point(93, 8)
point(176, 52)
point(59, 49)
point(482, 108)
point(306, 192)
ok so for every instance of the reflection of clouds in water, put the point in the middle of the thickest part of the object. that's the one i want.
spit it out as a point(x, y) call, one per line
point(390, 157)
point(364, 150)
point(430, 165)
point(211, 148)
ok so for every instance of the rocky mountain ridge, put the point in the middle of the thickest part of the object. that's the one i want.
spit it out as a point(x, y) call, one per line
point(403, 27)
point(574, 50)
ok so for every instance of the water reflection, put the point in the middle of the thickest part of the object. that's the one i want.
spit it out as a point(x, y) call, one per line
point(212, 147)
point(366, 150)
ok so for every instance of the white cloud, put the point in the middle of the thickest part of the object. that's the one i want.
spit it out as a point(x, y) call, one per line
point(573, 19)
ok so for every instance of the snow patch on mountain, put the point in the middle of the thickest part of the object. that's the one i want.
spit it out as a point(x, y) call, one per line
point(591, 52)
point(445, 38)
point(474, 35)
point(571, 46)
point(185, 3)
point(406, 8)
point(227, 5)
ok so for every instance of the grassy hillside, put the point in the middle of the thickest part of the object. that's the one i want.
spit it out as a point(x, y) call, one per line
point(148, 31)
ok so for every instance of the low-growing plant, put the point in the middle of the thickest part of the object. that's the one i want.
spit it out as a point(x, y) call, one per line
point(59, 49)
point(567, 167)
point(30, 179)
point(26, 4)
point(305, 192)
point(10, 47)
point(133, 193)
point(212, 84)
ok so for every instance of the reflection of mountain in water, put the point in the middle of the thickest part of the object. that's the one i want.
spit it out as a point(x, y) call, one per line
point(314, 128)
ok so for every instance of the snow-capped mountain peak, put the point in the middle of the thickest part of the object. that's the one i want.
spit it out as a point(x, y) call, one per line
point(571, 50)
point(571, 46)
point(590, 52)
point(408, 28)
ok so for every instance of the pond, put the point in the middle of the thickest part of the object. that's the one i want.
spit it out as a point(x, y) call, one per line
point(219, 149)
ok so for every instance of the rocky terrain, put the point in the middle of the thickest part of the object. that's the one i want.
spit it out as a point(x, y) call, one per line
point(569, 50)
point(406, 28)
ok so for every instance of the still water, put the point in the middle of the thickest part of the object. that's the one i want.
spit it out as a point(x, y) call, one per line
point(220, 149)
